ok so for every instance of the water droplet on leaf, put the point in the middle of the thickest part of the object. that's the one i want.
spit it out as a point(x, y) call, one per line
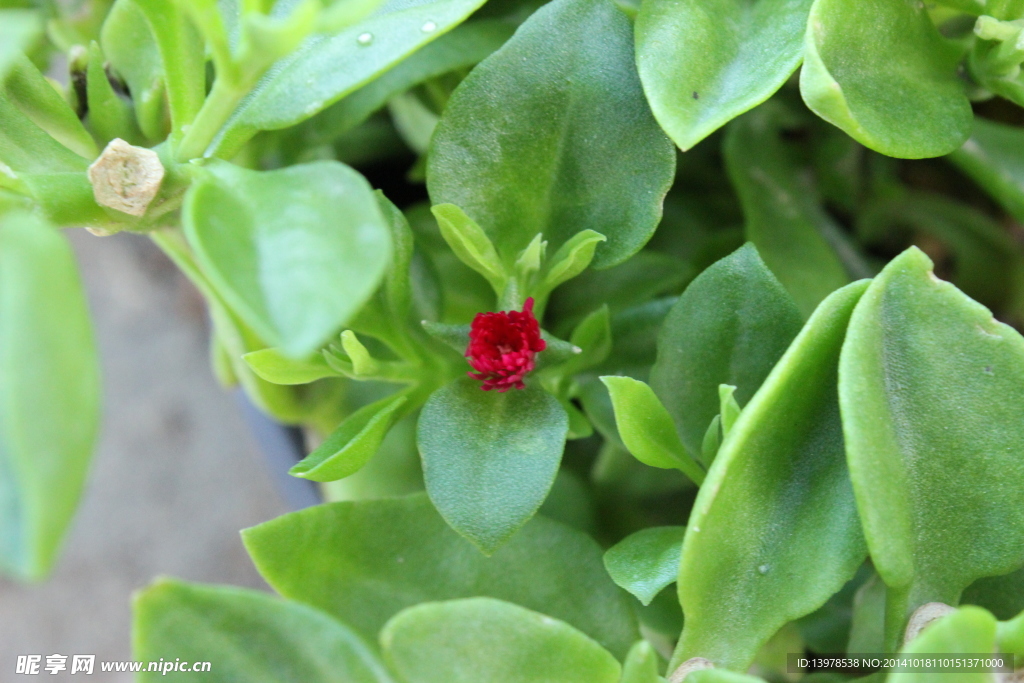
point(365, 38)
point(428, 27)
point(763, 569)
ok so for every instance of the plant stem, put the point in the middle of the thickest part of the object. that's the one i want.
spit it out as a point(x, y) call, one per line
point(217, 109)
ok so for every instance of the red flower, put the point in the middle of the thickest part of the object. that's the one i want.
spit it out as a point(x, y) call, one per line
point(502, 347)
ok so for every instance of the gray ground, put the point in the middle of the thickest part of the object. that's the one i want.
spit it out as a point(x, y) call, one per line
point(175, 476)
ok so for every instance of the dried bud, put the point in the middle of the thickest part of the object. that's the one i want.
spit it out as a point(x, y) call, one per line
point(126, 178)
point(503, 346)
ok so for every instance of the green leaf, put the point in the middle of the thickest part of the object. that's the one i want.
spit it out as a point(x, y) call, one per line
point(647, 561)
point(49, 393)
point(127, 41)
point(463, 47)
point(784, 216)
point(969, 629)
point(326, 68)
point(273, 366)
point(879, 70)
point(641, 665)
point(593, 336)
point(182, 58)
point(456, 641)
point(110, 116)
point(932, 388)
point(295, 252)
point(705, 63)
point(490, 458)
point(19, 28)
point(774, 530)
point(572, 258)
point(994, 158)
point(245, 635)
point(27, 148)
point(471, 244)
point(730, 409)
point(867, 623)
point(525, 143)
point(730, 326)
point(353, 443)
point(646, 428)
point(366, 561)
point(30, 92)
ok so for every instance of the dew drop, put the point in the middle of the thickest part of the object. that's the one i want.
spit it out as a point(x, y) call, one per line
point(428, 27)
point(763, 569)
point(365, 38)
point(696, 529)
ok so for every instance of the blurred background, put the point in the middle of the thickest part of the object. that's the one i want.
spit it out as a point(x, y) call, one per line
point(175, 476)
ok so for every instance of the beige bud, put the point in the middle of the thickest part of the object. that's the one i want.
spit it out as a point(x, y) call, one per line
point(688, 667)
point(126, 178)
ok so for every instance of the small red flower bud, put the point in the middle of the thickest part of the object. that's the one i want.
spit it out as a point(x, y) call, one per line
point(502, 347)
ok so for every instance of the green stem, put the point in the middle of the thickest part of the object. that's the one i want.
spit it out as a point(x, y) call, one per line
point(216, 111)
point(897, 611)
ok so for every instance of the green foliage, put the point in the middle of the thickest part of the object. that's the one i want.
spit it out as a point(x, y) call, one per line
point(49, 393)
point(276, 259)
point(480, 445)
point(774, 531)
point(704, 63)
point(730, 327)
point(526, 151)
point(917, 110)
point(454, 642)
point(646, 562)
point(176, 621)
point(364, 562)
point(808, 460)
point(917, 436)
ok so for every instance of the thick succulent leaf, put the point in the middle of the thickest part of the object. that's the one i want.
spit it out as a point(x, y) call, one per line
point(994, 158)
point(730, 326)
point(969, 630)
point(353, 443)
point(28, 89)
point(489, 458)
point(128, 42)
point(646, 428)
point(366, 561)
point(273, 366)
point(19, 28)
point(641, 665)
point(879, 70)
point(704, 63)
point(551, 134)
point(932, 394)
point(295, 252)
point(328, 67)
point(774, 530)
point(784, 217)
point(647, 561)
point(464, 47)
point(246, 636)
point(49, 393)
point(27, 148)
point(459, 640)
point(182, 58)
